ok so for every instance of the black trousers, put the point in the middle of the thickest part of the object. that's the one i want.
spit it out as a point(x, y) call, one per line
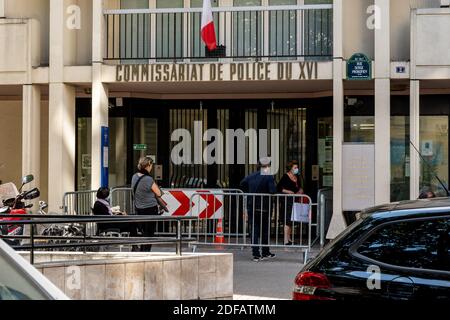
point(258, 222)
point(147, 228)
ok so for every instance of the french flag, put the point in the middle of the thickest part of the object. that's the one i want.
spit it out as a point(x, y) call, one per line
point(208, 31)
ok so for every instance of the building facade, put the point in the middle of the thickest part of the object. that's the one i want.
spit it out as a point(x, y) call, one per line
point(352, 86)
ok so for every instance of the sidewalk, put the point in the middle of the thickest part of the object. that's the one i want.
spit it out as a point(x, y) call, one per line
point(268, 279)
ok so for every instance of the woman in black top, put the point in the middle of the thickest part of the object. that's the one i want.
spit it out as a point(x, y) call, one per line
point(103, 208)
point(289, 184)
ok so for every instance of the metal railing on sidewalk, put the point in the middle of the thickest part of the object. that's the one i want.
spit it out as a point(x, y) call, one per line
point(86, 241)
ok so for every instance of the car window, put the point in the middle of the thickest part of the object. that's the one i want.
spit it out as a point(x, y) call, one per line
point(413, 244)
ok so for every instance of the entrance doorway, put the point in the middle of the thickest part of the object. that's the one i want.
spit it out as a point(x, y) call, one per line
point(144, 127)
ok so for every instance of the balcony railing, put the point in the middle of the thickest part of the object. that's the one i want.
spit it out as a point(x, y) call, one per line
point(258, 33)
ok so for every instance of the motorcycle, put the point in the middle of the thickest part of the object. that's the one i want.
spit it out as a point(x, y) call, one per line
point(57, 230)
point(17, 207)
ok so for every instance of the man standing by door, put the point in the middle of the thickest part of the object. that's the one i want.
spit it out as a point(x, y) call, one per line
point(259, 208)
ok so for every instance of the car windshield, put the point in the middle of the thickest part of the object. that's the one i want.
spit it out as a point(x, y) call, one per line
point(16, 284)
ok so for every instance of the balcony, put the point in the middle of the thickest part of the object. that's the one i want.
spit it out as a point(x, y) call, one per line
point(270, 33)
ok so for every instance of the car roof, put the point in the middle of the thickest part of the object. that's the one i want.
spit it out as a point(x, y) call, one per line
point(412, 208)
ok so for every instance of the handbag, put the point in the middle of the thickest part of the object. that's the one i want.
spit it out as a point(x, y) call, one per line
point(300, 212)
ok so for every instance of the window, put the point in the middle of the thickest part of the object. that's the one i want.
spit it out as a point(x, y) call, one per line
point(247, 30)
point(434, 148)
point(318, 31)
point(411, 244)
point(283, 30)
point(169, 31)
point(134, 33)
point(400, 160)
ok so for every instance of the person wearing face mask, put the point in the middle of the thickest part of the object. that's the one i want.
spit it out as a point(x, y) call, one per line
point(289, 184)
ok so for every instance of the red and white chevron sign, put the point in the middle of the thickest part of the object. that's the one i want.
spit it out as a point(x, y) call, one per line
point(205, 204)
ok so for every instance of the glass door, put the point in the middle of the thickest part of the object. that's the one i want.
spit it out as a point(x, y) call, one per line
point(117, 152)
point(434, 149)
point(325, 152)
point(145, 140)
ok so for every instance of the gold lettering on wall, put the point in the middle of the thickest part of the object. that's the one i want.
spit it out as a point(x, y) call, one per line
point(241, 71)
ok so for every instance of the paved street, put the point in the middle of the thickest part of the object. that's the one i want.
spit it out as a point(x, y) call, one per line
point(266, 279)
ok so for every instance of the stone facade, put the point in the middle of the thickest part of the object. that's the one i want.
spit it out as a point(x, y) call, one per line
point(136, 276)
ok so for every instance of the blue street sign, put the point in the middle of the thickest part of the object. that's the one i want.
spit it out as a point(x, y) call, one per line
point(359, 67)
point(105, 157)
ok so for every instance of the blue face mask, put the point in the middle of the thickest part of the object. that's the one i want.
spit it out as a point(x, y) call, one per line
point(296, 171)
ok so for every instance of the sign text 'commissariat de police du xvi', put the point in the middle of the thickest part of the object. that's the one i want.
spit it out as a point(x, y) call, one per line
point(257, 71)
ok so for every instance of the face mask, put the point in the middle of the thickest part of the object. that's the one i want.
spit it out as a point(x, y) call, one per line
point(265, 170)
point(296, 171)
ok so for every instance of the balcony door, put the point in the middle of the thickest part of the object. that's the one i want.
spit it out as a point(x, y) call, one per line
point(169, 31)
point(134, 33)
point(247, 30)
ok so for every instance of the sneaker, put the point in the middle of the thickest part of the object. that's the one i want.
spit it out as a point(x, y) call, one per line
point(257, 258)
point(269, 255)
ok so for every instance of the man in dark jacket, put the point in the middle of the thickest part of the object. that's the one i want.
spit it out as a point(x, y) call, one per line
point(259, 208)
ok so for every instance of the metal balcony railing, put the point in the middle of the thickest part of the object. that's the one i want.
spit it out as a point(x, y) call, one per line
point(243, 33)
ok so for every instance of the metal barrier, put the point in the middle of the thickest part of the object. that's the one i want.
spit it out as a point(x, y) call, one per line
point(79, 202)
point(91, 241)
point(123, 197)
point(255, 220)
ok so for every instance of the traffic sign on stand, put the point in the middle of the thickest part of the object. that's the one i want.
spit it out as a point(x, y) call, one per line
point(205, 204)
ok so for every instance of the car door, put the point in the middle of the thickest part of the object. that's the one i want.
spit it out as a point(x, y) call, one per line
point(412, 256)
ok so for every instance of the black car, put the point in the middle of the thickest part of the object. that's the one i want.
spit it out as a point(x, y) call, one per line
point(398, 251)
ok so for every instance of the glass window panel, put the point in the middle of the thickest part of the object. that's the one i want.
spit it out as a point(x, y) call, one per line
point(325, 151)
point(434, 148)
point(283, 30)
point(318, 31)
point(169, 30)
point(247, 30)
point(412, 244)
point(118, 152)
point(84, 138)
point(400, 161)
point(359, 129)
point(188, 175)
point(145, 133)
point(134, 32)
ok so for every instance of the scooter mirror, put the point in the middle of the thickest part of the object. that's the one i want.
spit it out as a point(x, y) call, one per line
point(27, 179)
point(32, 194)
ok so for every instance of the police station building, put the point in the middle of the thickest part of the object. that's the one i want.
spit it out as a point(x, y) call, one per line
point(352, 86)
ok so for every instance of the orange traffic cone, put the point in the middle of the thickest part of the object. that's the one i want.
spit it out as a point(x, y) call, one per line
point(219, 233)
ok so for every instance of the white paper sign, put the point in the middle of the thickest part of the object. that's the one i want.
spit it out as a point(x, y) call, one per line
point(358, 176)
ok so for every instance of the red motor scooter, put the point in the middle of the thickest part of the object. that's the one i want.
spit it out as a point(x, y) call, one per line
point(16, 207)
